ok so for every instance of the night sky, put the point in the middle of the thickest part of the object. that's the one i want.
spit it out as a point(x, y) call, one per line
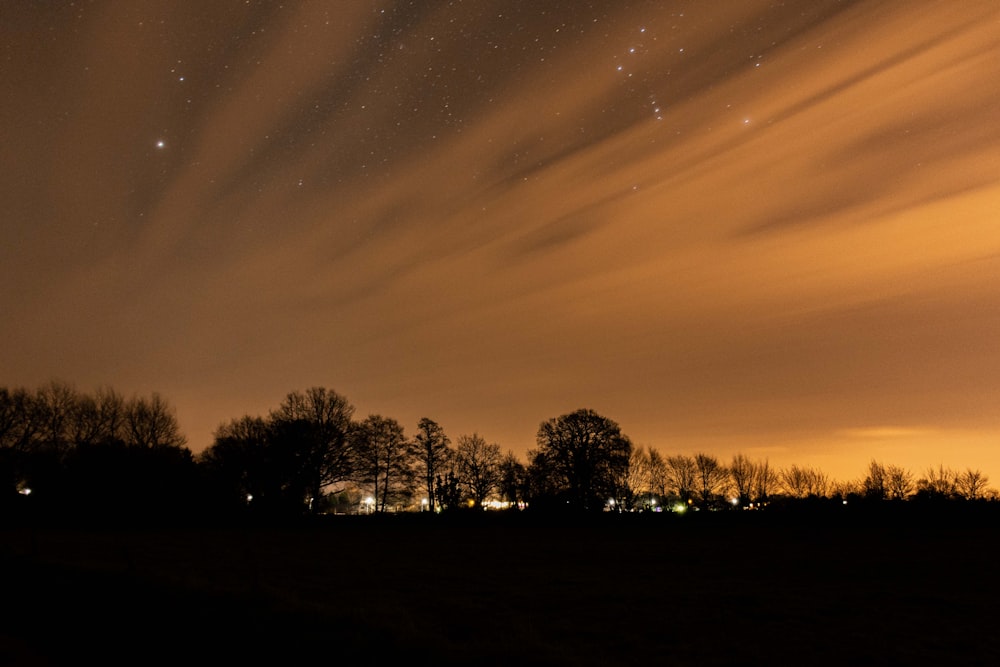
point(736, 225)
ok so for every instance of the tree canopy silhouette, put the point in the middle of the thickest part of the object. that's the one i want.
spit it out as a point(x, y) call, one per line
point(584, 456)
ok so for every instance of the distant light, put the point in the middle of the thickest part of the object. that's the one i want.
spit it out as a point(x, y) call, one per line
point(680, 508)
point(25, 491)
point(161, 144)
point(249, 497)
point(734, 501)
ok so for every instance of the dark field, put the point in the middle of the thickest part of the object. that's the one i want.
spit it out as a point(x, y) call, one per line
point(707, 589)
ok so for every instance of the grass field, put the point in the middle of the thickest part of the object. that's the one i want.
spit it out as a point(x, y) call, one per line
point(715, 589)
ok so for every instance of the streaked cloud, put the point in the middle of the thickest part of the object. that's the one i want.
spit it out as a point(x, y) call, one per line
point(782, 225)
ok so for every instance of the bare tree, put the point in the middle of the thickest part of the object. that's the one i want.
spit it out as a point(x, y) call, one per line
point(18, 419)
point(478, 466)
point(842, 490)
point(765, 482)
point(898, 482)
point(315, 427)
point(741, 473)
point(803, 482)
point(382, 455)
point(874, 483)
point(971, 484)
point(711, 478)
point(55, 404)
point(430, 452)
point(938, 483)
point(820, 484)
point(151, 423)
point(638, 480)
point(657, 473)
point(793, 481)
point(99, 418)
point(681, 476)
point(513, 479)
point(19, 425)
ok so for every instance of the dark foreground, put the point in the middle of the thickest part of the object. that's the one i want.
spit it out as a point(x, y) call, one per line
point(480, 590)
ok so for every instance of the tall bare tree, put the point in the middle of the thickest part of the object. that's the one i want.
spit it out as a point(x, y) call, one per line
point(638, 480)
point(971, 484)
point(803, 482)
point(315, 427)
point(657, 473)
point(18, 419)
point(765, 482)
point(898, 482)
point(682, 476)
point(741, 473)
point(382, 454)
point(513, 479)
point(478, 466)
point(938, 483)
point(151, 423)
point(874, 483)
point(710, 480)
point(99, 418)
point(55, 403)
point(430, 453)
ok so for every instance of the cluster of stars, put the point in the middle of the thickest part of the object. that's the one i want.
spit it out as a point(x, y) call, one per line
point(457, 77)
point(628, 72)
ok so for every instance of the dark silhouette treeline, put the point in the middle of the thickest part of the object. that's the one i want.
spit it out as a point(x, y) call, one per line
point(130, 549)
point(74, 455)
point(97, 456)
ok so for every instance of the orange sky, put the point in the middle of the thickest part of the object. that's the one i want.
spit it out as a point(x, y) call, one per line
point(728, 226)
